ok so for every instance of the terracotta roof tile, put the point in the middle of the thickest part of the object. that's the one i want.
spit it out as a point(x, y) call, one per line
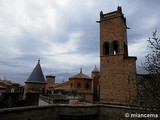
point(80, 76)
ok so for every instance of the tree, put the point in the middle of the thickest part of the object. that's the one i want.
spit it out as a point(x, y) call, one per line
point(152, 61)
point(149, 85)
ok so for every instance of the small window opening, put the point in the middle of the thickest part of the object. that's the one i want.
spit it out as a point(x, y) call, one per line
point(87, 86)
point(115, 48)
point(78, 85)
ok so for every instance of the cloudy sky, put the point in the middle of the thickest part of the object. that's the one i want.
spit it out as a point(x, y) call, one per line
point(64, 34)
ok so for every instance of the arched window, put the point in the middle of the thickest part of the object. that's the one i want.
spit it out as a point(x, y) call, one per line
point(115, 46)
point(78, 85)
point(106, 48)
point(87, 86)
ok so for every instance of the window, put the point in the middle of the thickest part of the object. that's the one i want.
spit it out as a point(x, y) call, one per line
point(87, 86)
point(78, 85)
point(115, 47)
point(106, 48)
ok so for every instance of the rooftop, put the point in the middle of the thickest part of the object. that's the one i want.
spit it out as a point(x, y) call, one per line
point(80, 75)
point(36, 75)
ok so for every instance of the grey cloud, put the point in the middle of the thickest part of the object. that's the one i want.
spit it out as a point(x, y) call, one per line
point(30, 43)
point(35, 39)
point(136, 21)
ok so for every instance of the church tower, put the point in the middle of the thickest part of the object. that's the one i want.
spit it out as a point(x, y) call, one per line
point(117, 69)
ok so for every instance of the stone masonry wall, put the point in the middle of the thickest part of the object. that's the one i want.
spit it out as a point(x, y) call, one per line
point(118, 79)
point(66, 112)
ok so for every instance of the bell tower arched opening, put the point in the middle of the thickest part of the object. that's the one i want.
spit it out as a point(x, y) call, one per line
point(115, 46)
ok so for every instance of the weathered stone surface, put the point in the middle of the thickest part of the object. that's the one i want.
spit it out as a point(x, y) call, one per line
point(117, 69)
point(69, 112)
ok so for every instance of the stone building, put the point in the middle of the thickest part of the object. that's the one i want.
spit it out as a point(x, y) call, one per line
point(35, 82)
point(50, 82)
point(95, 83)
point(83, 84)
point(117, 69)
point(8, 86)
point(11, 94)
point(79, 83)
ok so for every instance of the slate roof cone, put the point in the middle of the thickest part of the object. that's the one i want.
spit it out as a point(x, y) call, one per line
point(37, 75)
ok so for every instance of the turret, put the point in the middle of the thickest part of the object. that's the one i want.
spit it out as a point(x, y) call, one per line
point(95, 84)
point(50, 79)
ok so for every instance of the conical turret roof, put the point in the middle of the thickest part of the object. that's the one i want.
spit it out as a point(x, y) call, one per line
point(36, 75)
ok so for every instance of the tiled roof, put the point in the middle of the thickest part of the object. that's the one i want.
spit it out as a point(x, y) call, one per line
point(36, 75)
point(80, 76)
point(6, 82)
point(63, 85)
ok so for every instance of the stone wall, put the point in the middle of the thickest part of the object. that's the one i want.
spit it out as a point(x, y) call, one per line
point(118, 79)
point(36, 87)
point(53, 112)
point(70, 112)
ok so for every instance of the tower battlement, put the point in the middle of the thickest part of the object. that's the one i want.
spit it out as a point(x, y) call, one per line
point(112, 15)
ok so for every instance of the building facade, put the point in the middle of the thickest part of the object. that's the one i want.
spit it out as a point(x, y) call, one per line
point(83, 85)
point(35, 82)
point(117, 69)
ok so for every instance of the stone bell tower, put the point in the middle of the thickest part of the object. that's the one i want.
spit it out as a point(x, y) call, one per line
point(117, 69)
